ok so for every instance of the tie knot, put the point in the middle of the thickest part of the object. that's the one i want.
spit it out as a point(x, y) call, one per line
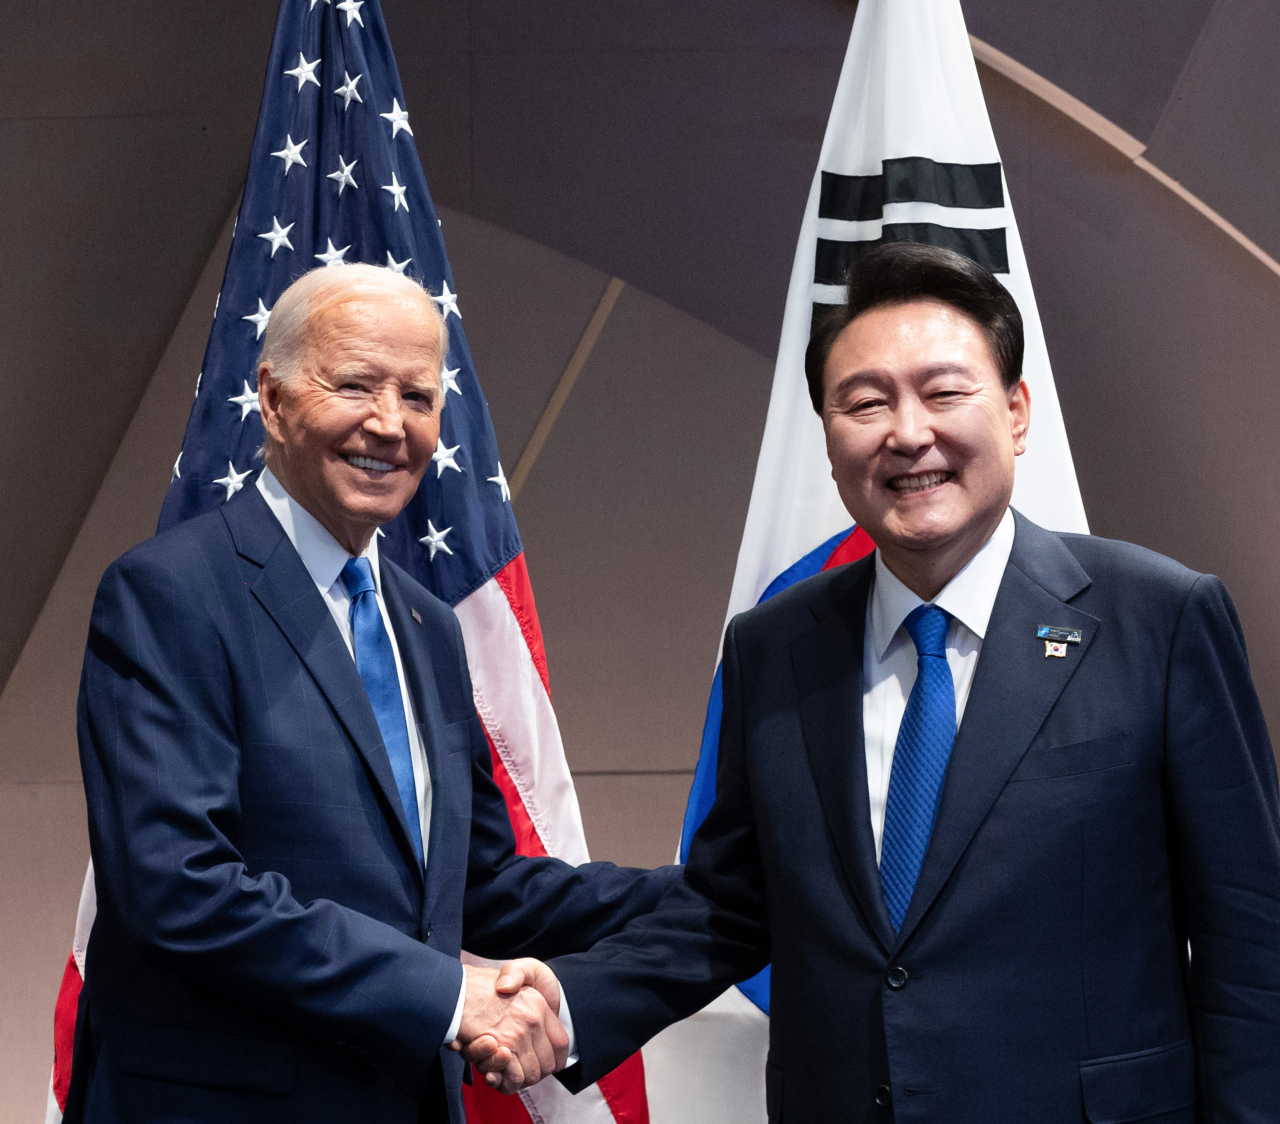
point(357, 576)
point(927, 626)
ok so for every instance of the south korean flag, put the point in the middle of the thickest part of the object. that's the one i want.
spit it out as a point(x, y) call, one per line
point(908, 156)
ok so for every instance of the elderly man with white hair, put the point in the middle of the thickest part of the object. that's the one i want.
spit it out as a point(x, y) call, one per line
point(293, 819)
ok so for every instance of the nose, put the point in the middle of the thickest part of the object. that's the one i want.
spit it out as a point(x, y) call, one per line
point(385, 420)
point(911, 428)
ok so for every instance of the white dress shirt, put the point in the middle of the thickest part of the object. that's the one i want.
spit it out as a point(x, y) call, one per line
point(889, 655)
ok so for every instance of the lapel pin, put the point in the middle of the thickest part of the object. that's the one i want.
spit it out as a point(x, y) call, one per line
point(1056, 639)
point(414, 614)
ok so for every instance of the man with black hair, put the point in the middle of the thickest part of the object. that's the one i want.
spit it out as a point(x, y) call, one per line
point(999, 804)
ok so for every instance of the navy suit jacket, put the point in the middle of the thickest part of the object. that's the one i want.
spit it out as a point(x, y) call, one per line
point(1100, 812)
point(267, 947)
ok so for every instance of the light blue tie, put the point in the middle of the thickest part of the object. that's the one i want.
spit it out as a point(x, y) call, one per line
point(376, 663)
point(919, 762)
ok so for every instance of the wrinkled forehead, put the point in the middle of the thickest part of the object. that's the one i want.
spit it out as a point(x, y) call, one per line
point(392, 315)
point(371, 293)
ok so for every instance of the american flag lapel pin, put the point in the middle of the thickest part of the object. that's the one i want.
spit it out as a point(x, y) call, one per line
point(414, 614)
point(1056, 639)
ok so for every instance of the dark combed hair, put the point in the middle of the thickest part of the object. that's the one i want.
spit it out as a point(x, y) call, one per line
point(898, 272)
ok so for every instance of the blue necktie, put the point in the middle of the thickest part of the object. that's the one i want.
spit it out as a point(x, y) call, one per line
point(376, 663)
point(919, 762)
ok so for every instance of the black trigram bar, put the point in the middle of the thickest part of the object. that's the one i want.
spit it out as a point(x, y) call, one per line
point(987, 247)
point(910, 179)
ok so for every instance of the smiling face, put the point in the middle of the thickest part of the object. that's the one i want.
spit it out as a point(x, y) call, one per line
point(922, 435)
point(351, 431)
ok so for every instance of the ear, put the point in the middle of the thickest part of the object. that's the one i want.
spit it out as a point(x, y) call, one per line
point(1019, 416)
point(269, 396)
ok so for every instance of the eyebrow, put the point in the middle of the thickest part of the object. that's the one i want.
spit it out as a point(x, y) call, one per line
point(858, 378)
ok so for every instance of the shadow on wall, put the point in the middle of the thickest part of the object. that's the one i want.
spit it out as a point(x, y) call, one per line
point(1165, 341)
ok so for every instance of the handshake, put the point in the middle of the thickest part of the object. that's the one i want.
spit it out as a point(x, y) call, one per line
point(510, 1029)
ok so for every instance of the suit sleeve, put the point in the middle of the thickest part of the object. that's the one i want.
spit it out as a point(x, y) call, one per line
point(709, 931)
point(537, 906)
point(161, 763)
point(1222, 789)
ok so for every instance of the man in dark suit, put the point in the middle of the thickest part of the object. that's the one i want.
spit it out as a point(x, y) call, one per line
point(999, 804)
point(292, 816)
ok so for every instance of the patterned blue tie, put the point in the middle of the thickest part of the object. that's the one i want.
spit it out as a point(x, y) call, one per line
point(376, 663)
point(919, 762)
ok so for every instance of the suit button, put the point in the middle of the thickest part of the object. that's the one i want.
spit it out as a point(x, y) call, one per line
point(897, 977)
point(884, 1098)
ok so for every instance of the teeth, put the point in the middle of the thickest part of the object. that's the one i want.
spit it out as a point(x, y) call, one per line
point(919, 483)
point(369, 462)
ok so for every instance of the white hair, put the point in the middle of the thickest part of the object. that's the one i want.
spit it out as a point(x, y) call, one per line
point(285, 341)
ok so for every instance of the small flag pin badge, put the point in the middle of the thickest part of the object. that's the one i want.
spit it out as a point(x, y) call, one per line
point(1059, 634)
point(414, 614)
point(1054, 648)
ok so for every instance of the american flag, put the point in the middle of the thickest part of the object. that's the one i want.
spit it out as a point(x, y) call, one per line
point(334, 177)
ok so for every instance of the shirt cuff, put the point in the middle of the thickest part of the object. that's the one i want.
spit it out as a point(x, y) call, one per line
point(452, 1033)
point(566, 1021)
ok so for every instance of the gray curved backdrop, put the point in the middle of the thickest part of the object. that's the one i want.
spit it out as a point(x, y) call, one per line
point(670, 145)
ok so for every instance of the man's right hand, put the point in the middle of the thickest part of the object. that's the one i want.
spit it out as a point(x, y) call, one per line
point(513, 1033)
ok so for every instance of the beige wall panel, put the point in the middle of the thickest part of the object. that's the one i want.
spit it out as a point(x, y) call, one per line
point(524, 308)
point(1165, 341)
point(81, 334)
point(1217, 134)
point(634, 819)
point(43, 851)
point(631, 520)
point(37, 707)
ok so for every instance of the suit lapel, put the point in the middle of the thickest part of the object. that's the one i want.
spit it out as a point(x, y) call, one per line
point(828, 669)
point(1014, 688)
point(419, 673)
point(288, 595)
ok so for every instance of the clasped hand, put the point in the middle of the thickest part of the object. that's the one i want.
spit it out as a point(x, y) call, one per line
point(510, 1029)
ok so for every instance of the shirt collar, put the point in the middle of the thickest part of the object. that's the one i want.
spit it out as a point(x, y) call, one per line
point(321, 553)
point(969, 596)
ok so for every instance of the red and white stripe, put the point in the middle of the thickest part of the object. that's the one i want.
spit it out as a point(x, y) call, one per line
point(508, 666)
point(513, 697)
point(64, 1010)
